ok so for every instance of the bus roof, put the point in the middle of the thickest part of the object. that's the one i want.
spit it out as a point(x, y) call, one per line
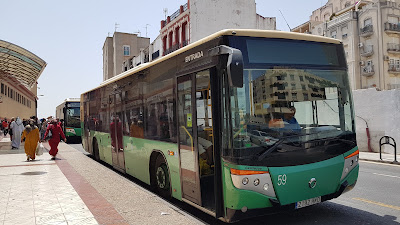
point(227, 32)
point(72, 100)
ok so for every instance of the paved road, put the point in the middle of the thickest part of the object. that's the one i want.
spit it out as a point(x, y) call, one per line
point(374, 200)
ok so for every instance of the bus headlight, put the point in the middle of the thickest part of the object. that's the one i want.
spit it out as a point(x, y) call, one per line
point(350, 162)
point(256, 182)
point(241, 179)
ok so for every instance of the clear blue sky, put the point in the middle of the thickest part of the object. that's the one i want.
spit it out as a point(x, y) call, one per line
point(69, 35)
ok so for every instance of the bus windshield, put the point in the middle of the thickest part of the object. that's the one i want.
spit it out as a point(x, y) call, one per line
point(290, 114)
point(73, 117)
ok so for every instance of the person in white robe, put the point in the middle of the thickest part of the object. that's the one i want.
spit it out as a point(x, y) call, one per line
point(17, 128)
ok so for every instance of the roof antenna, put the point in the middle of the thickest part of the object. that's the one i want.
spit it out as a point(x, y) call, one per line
point(290, 29)
point(165, 13)
point(116, 27)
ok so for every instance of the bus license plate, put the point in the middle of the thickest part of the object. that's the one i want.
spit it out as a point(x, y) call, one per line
point(308, 202)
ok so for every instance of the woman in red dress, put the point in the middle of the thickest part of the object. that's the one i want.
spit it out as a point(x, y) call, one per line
point(56, 131)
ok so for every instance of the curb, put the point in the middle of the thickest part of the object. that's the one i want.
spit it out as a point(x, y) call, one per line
point(381, 161)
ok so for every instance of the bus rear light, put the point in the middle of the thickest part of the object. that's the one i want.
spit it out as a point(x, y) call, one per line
point(245, 181)
point(246, 172)
point(266, 186)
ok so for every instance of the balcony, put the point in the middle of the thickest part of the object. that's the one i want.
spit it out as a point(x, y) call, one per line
point(394, 69)
point(392, 28)
point(388, 4)
point(393, 48)
point(368, 70)
point(393, 86)
point(176, 47)
point(367, 50)
point(367, 31)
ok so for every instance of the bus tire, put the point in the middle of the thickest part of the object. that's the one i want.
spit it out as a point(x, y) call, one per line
point(162, 178)
point(96, 150)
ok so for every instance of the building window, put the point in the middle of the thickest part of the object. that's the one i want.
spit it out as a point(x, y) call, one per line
point(127, 50)
point(344, 32)
point(333, 34)
point(2, 88)
point(367, 22)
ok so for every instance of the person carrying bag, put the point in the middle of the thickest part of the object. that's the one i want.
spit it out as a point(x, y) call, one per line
point(56, 131)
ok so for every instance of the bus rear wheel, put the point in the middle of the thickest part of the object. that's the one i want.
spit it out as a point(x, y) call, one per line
point(96, 150)
point(162, 181)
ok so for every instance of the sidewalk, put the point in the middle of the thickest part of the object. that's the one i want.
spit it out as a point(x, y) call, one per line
point(374, 156)
point(75, 189)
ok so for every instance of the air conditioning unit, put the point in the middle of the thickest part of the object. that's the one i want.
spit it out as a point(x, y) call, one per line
point(386, 57)
point(362, 63)
point(360, 45)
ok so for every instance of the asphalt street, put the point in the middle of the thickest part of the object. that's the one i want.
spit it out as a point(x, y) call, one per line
point(374, 200)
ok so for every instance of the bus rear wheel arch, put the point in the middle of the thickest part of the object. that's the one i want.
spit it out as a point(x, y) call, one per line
point(159, 175)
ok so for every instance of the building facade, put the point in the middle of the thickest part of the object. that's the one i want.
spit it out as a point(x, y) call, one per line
point(370, 32)
point(118, 49)
point(197, 19)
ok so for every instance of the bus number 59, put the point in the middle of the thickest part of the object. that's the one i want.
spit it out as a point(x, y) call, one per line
point(282, 179)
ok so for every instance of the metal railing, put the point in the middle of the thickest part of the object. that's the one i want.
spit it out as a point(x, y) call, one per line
point(367, 50)
point(393, 47)
point(368, 70)
point(393, 86)
point(369, 29)
point(394, 68)
point(388, 141)
point(392, 27)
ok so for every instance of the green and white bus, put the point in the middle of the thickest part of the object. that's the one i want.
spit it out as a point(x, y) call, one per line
point(238, 124)
point(69, 114)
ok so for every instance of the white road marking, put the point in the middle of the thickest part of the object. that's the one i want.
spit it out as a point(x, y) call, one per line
point(384, 164)
point(386, 175)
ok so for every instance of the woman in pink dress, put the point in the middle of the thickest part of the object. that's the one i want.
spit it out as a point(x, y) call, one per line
point(56, 131)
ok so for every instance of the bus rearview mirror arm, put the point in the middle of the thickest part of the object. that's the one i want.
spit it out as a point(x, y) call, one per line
point(234, 65)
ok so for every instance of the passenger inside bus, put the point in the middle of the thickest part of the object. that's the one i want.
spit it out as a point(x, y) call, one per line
point(136, 129)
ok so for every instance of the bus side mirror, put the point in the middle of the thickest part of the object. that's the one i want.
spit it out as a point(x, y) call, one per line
point(234, 65)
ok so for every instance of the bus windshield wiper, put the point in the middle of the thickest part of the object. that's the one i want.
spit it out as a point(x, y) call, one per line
point(269, 150)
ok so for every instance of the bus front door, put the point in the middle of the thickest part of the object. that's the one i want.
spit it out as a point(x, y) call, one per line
point(196, 139)
point(117, 147)
point(188, 152)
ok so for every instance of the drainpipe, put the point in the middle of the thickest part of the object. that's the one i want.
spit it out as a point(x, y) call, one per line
point(368, 134)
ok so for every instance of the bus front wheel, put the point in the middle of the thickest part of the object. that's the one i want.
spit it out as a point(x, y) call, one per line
point(162, 181)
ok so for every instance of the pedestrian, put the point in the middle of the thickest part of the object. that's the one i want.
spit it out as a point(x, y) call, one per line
point(5, 126)
point(43, 129)
point(17, 127)
point(56, 131)
point(31, 137)
point(10, 132)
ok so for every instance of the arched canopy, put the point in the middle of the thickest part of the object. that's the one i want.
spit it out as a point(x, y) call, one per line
point(20, 64)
